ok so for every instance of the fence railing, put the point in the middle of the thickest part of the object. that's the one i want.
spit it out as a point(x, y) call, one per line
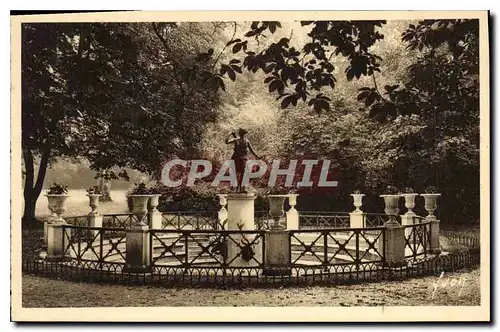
point(417, 238)
point(333, 247)
point(94, 244)
point(321, 219)
point(378, 219)
point(207, 248)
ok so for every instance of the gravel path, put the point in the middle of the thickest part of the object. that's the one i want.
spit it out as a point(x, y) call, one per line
point(452, 289)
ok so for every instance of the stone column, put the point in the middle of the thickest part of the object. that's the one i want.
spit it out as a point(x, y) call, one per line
point(292, 215)
point(277, 255)
point(394, 243)
point(356, 219)
point(240, 216)
point(94, 220)
point(138, 255)
point(154, 216)
point(407, 219)
point(55, 241)
point(435, 246)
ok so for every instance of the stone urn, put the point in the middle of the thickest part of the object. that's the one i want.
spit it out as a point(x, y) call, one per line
point(430, 204)
point(94, 202)
point(140, 207)
point(391, 204)
point(357, 202)
point(56, 205)
point(276, 208)
point(409, 202)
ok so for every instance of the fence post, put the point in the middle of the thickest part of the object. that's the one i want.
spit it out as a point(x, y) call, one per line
point(394, 243)
point(138, 252)
point(356, 219)
point(408, 219)
point(435, 246)
point(277, 253)
point(55, 241)
point(94, 219)
point(241, 216)
point(292, 215)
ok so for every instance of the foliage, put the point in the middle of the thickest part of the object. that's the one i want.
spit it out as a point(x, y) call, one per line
point(293, 74)
point(392, 190)
point(140, 189)
point(57, 189)
point(430, 190)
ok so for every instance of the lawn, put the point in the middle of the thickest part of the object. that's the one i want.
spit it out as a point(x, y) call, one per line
point(452, 289)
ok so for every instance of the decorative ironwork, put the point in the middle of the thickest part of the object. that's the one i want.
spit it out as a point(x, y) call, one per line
point(94, 244)
point(336, 246)
point(417, 240)
point(184, 255)
point(323, 220)
point(196, 220)
point(250, 276)
point(207, 248)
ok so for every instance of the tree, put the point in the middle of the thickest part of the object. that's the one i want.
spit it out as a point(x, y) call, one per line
point(116, 94)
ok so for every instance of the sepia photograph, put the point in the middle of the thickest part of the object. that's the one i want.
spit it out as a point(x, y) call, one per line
point(329, 166)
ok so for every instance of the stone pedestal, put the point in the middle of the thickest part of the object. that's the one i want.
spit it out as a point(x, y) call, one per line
point(408, 219)
point(292, 215)
point(435, 246)
point(240, 216)
point(277, 255)
point(94, 220)
point(55, 241)
point(240, 211)
point(154, 216)
point(356, 220)
point(394, 243)
point(222, 214)
point(138, 257)
point(154, 220)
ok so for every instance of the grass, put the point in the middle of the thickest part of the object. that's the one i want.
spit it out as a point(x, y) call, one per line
point(459, 288)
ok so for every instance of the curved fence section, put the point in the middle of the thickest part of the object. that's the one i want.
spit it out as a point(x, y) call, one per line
point(194, 246)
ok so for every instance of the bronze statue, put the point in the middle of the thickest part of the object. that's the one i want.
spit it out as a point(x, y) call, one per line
point(242, 147)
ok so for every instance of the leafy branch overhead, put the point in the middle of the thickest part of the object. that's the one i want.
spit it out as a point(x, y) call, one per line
point(301, 74)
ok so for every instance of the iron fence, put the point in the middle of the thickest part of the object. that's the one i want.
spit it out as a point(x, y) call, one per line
point(207, 248)
point(319, 220)
point(417, 238)
point(94, 244)
point(378, 219)
point(249, 277)
point(197, 220)
point(337, 246)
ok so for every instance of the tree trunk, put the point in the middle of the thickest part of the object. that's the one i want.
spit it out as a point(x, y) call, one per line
point(32, 190)
point(29, 201)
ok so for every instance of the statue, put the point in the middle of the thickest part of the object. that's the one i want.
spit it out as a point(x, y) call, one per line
point(242, 147)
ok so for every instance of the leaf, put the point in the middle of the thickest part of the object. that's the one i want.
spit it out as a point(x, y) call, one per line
point(250, 33)
point(231, 42)
point(231, 74)
point(272, 28)
point(237, 47)
point(286, 101)
point(269, 79)
point(276, 84)
point(234, 61)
